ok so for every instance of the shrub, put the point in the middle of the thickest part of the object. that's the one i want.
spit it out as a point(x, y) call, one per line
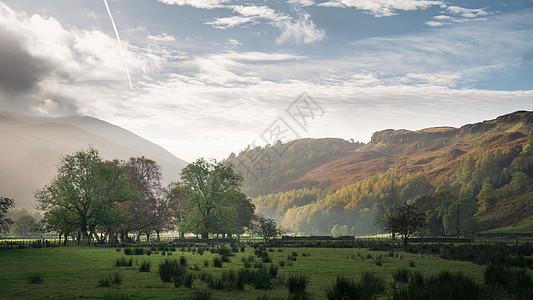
point(202, 295)
point(244, 276)
point(242, 248)
point(122, 262)
point(300, 296)
point(412, 264)
point(145, 266)
point(104, 281)
point(247, 261)
point(197, 267)
point(258, 264)
point(344, 288)
point(372, 285)
point(516, 282)
point(216, 283)
point(138, 251)
point(446, 285)
point(291, 257)
point(128, 251)
point(188, 280)
point(297, 283)
point(201, 251)
point(217, 262)
point(170, 269)
point(206, 263)
point(116, 278)
point(282, 263)
point(273, 271)
point(401, 275)
point(183, 261)
point(261, 278)
point(35, 278)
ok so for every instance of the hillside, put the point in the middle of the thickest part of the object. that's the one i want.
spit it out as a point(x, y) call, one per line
point(30, 151)
point(472, 162)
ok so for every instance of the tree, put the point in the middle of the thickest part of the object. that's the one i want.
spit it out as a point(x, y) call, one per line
point(406, 220)
point(245, 212)
point(150, 212)
point(177, 195)
point(86, 190)
point(5, 205)
point(211, 188)
point(24, 226)
point(267, 229)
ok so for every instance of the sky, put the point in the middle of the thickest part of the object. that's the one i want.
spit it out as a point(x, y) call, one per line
point(209, 77)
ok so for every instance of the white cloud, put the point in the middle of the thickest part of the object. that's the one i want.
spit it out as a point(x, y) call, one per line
point(303, 3)
point(205, 4)
point(300, 31)
point(467, 12)
point(228, 22)
point(162, 38)
point(383, 8)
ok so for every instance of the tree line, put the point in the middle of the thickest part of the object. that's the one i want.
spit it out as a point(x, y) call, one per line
point(111, 201)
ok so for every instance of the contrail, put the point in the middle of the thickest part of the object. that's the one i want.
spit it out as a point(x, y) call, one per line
point(119, 42)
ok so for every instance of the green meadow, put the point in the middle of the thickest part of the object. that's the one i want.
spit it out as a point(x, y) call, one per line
point(74, 272)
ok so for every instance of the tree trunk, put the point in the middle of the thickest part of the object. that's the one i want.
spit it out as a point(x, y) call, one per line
point(138, 240)
point(158, 237)
point(205, 236)
point(182, 235)
point(147, 237)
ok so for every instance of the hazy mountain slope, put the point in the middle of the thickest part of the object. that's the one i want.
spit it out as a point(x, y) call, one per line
point(30, 152)
point(267, 169)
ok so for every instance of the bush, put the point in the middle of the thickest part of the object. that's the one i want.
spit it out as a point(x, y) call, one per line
point(372, 285)
point(216, 283)
point(244, 276)
point(345, 289)
point(122, 262)
point(412, 264)
point(446, 285)
point(401, 275)
point(261, 278)
point(138, 251)
point(128, 251)
point(206, 263)
point(170, 269)
point(202, 295)
point(242, 248)
point(291, 257)
point(273, 271)
point(35, 278)
point(183, 261)
point(103, 281)
point(516, 282)
point(297, 284)
point(247, 261)
point(282, 263)
point(217, 262)
point(197, 267)
point(145, 266)
point(188, 280)
point(116, 278)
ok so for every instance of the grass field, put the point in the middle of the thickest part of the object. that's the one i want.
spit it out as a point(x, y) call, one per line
point(73, 272)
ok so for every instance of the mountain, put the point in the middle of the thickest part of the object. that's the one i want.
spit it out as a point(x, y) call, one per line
point(486, 164)
point(434, 152)
point(31, 149)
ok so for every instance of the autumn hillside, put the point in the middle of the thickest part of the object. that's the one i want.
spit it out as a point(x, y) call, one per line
point(319, 185)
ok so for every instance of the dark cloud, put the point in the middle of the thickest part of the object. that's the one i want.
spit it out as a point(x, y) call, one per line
point(20, 72)
point(20, 75)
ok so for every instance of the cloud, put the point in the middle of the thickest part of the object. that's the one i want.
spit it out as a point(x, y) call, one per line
point(39, 57)
point(299, 30)
point(383, 8)
point(302, 2)
point(456, 14)
point(302, 31)
point(162, 38)
point(20, 71)
point(205, 4)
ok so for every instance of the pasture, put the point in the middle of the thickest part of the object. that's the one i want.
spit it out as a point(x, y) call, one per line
point(76, 272)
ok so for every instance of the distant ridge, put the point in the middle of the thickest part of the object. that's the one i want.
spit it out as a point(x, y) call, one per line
point(31, 148)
